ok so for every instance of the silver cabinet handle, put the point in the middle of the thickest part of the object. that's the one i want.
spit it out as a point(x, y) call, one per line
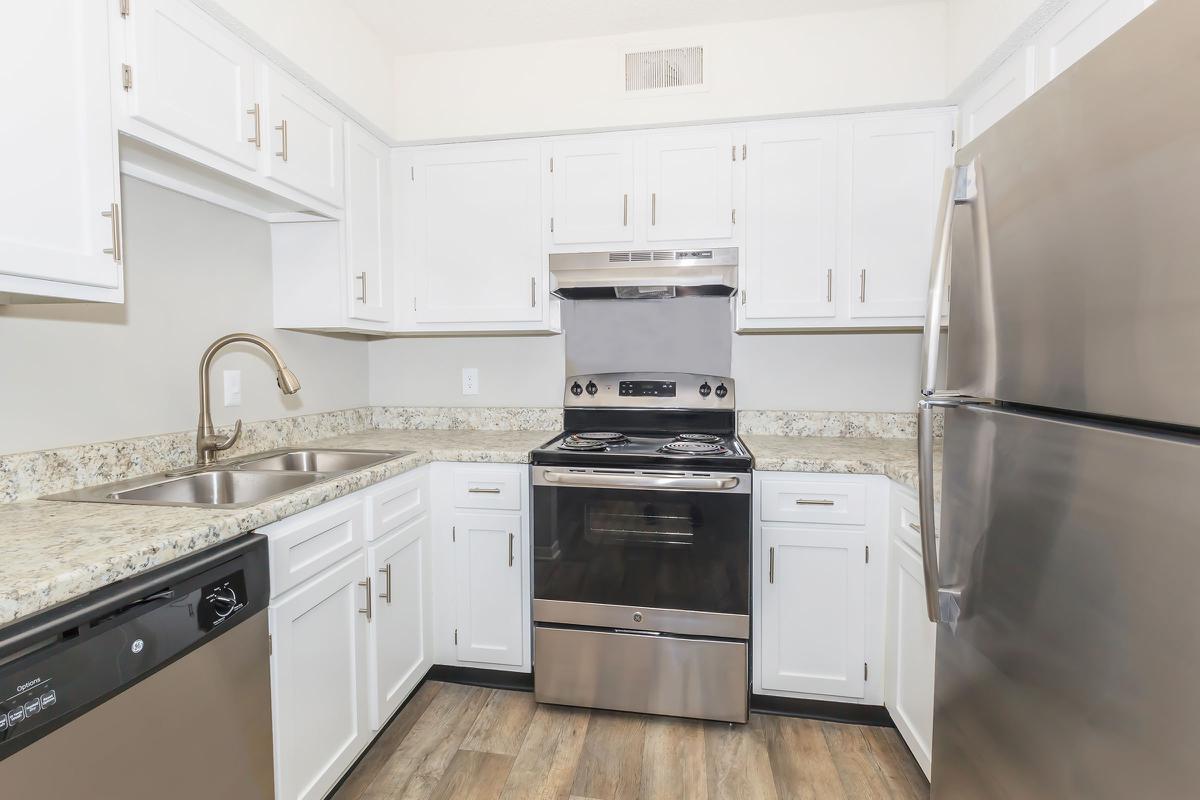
point(367, 585)
point(512, 537)
point(828, 286)
point(387, 584)
point(282, 128)
point(915, 526)
point(771, 568)
point(862, 286)
point(483, 490)
point(653, 208)
point(815, 502)
point(256, 139)
point(362, 276)
point(625, 213)
point(114, 216)
point(533, 292)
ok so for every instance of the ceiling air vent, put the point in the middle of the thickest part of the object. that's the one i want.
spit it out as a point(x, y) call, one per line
point(673, 68)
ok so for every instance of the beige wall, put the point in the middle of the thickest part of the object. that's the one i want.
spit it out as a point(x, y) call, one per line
point(814, 63)
point(76, 373)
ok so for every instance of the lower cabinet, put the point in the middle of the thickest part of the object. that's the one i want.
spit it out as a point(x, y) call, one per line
point(489, 592)
point(319, 678)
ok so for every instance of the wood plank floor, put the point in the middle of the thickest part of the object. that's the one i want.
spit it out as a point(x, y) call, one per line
point(454, 741)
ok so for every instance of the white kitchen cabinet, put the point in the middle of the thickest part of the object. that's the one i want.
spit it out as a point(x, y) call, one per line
point(813, 621)
point(790, 252)
point(489, 594)
point(689, 179)
point(369, 259)
point(593, 181)
point(319, 673)
point(192, 78)
point(475, 258)
point(1078, 28)
point(61, 210)
point(911, 650)
point(897, 165)
point(400, 564)
point(1005, 89)
point(302, 138)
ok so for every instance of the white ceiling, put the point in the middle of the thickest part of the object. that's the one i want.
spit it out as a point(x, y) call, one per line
point(421, 26)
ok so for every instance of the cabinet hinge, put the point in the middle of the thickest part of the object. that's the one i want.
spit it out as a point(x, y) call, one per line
point(743, 293)
point(733, 153)
point(414, 304)
point(867, 555)
point(126, 77)
point(743, 152)
point(865, 672)
point(953, 138)
point(412, 174)
point(551, 165)
point(456, 635)
point(270, 645)
point(552, 224)
point(453, 534)
point(733, 217)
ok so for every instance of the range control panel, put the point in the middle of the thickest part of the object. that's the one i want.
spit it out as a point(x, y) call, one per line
point(675, 390)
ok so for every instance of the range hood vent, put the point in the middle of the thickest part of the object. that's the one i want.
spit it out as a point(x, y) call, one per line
point(645, 274)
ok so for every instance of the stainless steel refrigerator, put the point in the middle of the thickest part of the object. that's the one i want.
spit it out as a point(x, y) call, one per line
point(1067, 588)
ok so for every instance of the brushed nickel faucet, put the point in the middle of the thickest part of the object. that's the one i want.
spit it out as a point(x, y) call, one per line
point(208, 441)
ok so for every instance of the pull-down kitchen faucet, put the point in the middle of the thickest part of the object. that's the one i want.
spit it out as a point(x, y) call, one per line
point(208, 441)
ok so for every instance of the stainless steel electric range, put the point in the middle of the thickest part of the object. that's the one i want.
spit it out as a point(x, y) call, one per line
point(641, 529)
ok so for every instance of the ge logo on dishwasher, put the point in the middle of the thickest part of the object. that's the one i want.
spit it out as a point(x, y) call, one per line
point(137, 646)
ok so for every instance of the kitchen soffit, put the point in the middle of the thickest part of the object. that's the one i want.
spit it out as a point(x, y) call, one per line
point(422, 27)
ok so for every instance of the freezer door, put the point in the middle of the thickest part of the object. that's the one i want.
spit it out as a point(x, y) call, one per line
point(1075, 282)
point(1066, 661)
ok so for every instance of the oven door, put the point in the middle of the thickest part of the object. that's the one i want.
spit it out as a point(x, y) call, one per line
point(644, 550)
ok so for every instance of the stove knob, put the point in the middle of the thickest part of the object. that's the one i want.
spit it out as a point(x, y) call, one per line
point(705, 389)
point(224, 600)
point(592, 388)
point(721, 390)
point(576, 389)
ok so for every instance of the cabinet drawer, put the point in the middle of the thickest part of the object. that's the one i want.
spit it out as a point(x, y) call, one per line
point(396, 503)
point(498, 489)
point(308, 543)
point(829, 502)
point(906, 521)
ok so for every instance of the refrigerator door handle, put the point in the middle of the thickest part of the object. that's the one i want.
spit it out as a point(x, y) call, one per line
point(959, 188)
point(925, 501)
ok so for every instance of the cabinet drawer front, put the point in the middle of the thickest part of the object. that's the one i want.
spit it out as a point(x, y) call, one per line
point(907, 522)
point(303, 546)
point(397, 503)
point(834, 503)
point(492, 489)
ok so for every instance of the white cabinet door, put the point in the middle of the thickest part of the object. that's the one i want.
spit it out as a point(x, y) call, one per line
point(302, 138)
point(689, 178)
point(593, 190)
point(791, 222)
point(911, 650)
point(400, 565)
point(192, 78)
point(1005, 89)
point(898, 163)
point(369, 264)
point(59, 162)
point(477, 222)
point(1078, 28)
point(813, 625)
point(489, 607)
point(319, 680)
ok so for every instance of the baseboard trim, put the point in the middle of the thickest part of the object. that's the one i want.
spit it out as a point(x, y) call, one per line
point(829, 711)
point(475, 676)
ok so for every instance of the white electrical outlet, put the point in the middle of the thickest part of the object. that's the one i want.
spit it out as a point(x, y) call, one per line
point(470, 380)
point(233, 387)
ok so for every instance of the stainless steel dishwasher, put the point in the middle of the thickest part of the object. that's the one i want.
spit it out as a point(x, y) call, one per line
point(156, 686)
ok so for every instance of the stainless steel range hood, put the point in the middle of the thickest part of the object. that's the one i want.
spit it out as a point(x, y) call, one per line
point(645, 274)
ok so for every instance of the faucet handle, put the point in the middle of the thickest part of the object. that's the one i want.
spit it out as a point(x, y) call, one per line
point(233, 437)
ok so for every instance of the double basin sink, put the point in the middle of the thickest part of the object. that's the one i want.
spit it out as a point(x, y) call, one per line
point(235, 484)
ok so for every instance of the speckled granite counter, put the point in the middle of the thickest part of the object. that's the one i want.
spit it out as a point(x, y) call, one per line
point(56, 551)
point(895, 458)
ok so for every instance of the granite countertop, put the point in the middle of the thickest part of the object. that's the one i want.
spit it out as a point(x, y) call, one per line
point(56, 551)
point(895, 458)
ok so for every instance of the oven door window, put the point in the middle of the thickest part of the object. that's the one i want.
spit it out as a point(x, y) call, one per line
point(651, 549)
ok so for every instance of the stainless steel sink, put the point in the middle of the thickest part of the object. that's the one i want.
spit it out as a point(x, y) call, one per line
point(319, 460)
point(222, 487)
point(237, 483)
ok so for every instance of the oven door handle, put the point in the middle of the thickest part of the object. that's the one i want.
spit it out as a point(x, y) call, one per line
point(608, 481)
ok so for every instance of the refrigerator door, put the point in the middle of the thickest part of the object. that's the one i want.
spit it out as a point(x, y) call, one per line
point(1075, 273)
point(1066, 658)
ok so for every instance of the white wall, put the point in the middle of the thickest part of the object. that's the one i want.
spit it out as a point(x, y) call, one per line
point(326, 39)
point(976, 29)
point(818, 62)
point(76, 373)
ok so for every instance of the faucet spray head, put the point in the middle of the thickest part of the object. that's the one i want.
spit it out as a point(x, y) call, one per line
point(287, 381)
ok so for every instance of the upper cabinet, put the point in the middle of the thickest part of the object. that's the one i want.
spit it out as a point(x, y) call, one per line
point(60, 221)
point(1004, 90)
point(593, 190)
point(1078, 28)
point(188, 76)
point(305, 138)
point(369, 224)
point(898, 163)
point(474, 258)
point(689, 177)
